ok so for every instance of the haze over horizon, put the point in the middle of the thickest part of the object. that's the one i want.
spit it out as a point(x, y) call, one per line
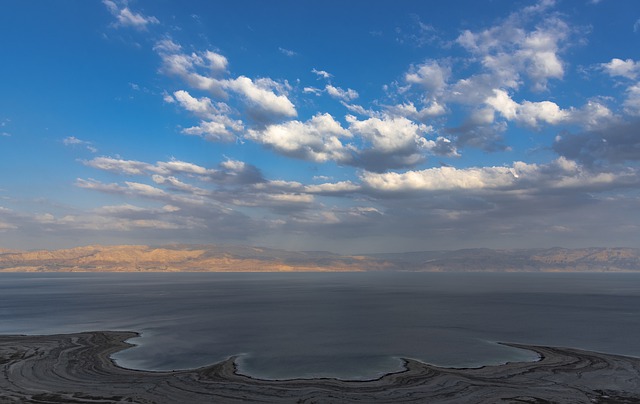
point(307, 125)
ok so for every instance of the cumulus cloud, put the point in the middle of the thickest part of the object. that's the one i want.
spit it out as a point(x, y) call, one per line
point(217, 125)
point(318, 139)
point(390, 142)
point(409, 110)
point(533, 114)
point(629, 68)
point(265, 99)
point(431, 76)
point(127, 18)
point(339, 93)
point(321, 73)
point(632, 102)
point(202, 107)
point(527, 112)
point(523, 177)
point(261, 97)
point(507, 49)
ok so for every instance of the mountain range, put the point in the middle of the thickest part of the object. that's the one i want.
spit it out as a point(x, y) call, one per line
point(223, 258)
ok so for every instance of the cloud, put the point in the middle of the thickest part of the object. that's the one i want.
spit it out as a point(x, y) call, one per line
point(533, 114)
point(507, 49)
point(342, 187)
point(632, 102)
point(431, 76)
point(479, 133)
point(228, 172)
point(127, 18)
point(287, 52)
point(561, 174)
point(218, 129)
point(74, 141)
point(441, 178)
point(528, 113)
point(394, 142)
point(265, 99)
point(409, 110)
point(261, 98)
point(321, 73)
point(202, 107)
point(127, 167)
point(317, 139)
point(614, 144)
point(629, 68)
point(312, 90)
point(338, 93)
point(217, 126)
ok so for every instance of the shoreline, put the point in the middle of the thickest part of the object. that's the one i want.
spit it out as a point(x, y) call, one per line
point(78, 368)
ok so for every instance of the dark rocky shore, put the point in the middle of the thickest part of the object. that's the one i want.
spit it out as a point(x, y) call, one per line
point(76, 368)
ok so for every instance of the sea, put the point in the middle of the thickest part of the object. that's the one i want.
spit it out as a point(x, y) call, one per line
point(350, 326)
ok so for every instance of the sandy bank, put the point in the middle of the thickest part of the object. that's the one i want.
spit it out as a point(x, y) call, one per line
point(76, 368)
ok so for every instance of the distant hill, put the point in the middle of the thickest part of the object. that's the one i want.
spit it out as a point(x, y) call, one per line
point(214, 258)
point(532, 260)
point(180, 258)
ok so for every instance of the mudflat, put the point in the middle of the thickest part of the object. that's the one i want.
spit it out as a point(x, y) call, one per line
point(77, 368)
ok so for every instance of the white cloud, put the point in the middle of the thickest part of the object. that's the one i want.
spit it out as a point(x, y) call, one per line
point(202, 107)
point(332, 188)
point(167, 46)
point(74, 141)
point(339, 93)
point(321, 73)
point(528, 113)
point(179, 167)
point(287, 52)
point(127, 18)
point(217, 126)
point(144, 189)
point(507, 49)
point(318, 139)
point(632, 102)
point(266, 99)
point(521, 177)
point(178, 185)
point(213, 131)
point(260, 95)
point(128, 167)
point(312, 90)
point(622, 68)
point(430, 75)
point(532, 114)
point(390, 134)
point(409, 110)
point(441, 178)
point(217, 63)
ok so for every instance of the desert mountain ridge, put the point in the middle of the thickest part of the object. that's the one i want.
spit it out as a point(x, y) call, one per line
point(219, 258)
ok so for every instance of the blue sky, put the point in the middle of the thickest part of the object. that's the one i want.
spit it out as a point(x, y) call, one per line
point(343, 126)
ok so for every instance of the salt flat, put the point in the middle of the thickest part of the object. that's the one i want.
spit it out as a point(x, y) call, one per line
point(76, 368)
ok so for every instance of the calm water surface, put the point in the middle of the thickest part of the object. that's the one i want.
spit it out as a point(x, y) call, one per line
point(346, 325)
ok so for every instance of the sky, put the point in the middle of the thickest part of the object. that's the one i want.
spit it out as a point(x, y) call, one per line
point(346, 126)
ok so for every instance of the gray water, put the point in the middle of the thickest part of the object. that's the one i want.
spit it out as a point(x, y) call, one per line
point(344, 325)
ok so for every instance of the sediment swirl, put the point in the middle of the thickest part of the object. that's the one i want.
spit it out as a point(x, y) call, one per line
point(76, 368)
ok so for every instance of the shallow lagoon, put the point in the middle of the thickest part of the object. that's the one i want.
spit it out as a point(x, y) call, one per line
point(346, 325)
